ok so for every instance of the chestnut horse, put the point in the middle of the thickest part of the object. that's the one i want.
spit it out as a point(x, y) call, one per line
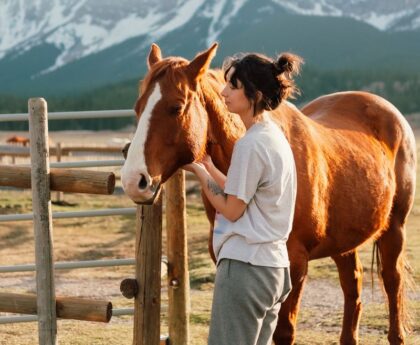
point(356, 165)
point(18, 140)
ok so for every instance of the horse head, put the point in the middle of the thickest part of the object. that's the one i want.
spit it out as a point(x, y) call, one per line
point(172, 123)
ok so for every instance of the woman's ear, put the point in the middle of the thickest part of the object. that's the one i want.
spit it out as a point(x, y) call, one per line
point(258, 97)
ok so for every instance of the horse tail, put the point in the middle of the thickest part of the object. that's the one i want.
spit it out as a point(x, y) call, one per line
point(407, 283)
point(375, 255)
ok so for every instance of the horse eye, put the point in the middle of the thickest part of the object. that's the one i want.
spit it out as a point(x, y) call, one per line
point(175, 110)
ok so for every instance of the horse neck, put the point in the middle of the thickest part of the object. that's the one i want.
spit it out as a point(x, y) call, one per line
point(224, 128)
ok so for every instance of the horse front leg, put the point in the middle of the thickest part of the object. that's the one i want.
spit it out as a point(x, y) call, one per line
point(350, 271)
point(286, 323)
point(210, 245)
point(210, 213)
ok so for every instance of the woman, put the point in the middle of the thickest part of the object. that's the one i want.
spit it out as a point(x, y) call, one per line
point(254, 204)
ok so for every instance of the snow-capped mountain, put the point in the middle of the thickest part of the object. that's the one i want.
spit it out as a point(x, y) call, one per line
point(401, 15)
point(81, 27)
point(53, 34)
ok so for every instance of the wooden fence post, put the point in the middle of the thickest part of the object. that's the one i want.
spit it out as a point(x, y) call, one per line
point(41, 205)
point(148, 267)
point(178, 276)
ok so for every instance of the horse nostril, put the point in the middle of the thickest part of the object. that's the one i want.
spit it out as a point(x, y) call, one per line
point(143, 182)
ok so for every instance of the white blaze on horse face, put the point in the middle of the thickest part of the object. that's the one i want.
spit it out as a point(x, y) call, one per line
point(135, 165)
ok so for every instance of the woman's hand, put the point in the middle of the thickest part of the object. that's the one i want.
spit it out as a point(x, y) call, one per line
point(192, 167)
point(207, 162)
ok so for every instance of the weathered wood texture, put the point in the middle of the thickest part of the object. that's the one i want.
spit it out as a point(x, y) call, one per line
point(63, 180)
point(129, 288)
point(66, 307)
point(178, 276)
point(148, 266)
point(41, 205)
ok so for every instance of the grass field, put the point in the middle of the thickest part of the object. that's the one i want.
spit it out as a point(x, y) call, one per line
point(113, 237)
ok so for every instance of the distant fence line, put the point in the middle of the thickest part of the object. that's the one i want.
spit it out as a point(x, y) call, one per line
point(14, 150)
point(413, 120)
point(75, 214)
point(71, 115)
point(9, 150)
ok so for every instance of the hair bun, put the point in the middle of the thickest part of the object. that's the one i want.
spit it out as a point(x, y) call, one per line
point(288, 63)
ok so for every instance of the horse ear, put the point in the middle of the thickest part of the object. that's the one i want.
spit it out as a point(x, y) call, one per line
point(155, 55)
point(201, 63)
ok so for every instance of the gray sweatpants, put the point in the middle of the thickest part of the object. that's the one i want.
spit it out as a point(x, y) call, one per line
point(246, 302)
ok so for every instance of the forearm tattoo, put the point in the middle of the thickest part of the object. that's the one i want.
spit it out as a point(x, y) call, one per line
point(215, 189)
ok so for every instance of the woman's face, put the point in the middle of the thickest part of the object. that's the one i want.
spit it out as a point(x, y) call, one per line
point(235, 98)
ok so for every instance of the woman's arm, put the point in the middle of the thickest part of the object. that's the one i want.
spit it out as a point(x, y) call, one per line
point(217, 175)
point(228, 205)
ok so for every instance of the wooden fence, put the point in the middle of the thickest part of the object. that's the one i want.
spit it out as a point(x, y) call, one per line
point(145, 287)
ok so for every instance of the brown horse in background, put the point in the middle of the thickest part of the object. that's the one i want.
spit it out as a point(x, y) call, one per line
point(356, 164)
point(18, 140)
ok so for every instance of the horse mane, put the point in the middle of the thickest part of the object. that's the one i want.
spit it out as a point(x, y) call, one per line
point(163, 67)
point(223, 122)
point(156, 71)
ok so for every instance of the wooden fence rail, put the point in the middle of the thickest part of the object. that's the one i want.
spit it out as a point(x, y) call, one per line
point(74, 181)
point(66, 307)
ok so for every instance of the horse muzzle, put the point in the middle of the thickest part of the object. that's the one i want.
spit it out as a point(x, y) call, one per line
point(155, 191)
point(140, 187)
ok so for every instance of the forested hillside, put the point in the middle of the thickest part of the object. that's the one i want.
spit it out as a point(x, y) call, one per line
point(403, 90)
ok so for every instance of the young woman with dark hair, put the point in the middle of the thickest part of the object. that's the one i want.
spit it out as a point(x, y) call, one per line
point(254, 204)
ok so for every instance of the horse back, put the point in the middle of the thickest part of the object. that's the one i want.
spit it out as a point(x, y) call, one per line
point(360, 112)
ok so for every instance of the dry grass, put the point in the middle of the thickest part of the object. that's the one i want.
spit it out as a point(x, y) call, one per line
point(113, 237)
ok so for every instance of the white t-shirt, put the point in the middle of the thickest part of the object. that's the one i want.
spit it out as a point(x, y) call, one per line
point(262, 174)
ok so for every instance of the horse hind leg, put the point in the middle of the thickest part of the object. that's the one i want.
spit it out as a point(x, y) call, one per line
point(391, 259)
point(350, 271)
point(286, 324)
point(392, 266)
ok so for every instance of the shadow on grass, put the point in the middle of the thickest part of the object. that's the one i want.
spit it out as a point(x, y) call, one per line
point(129, 225)
point(93, 254)
point(17, 236)
point(11, 209)
point(124, 232)
point(200, 265)
point(199, 282)
point(200, 319)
